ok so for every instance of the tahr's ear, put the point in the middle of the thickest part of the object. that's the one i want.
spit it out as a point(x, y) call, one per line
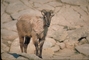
point(52, 13)
point(43, 12)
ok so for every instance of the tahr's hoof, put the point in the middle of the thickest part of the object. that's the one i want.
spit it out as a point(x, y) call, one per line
point(40, 57)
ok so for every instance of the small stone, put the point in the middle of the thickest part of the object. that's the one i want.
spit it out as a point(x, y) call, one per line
point(69, 45)
point(55, 48)
point(9, 42)
point(62, 45)
point(49, 42)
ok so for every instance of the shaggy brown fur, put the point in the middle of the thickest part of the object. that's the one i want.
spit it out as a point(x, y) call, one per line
point(36, 27)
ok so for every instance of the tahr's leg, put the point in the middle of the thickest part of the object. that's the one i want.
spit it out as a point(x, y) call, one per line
point(21, 41)
point(40, 47)
point(35, 41)
point(27, 41)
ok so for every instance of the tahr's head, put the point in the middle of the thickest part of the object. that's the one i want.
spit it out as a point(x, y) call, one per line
point(47, 15)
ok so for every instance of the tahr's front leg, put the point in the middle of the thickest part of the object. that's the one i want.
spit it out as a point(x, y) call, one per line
point(21, 41)
point(40, 47)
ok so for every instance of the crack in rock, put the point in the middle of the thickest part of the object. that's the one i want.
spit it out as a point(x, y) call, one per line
point(68, 3)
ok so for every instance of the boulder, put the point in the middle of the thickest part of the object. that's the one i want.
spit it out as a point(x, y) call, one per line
point(75, 35)
point(40, 1)
point(61, 45)
point(87, 38)
point(63, 36)
point(84, 49)
point(74, 2)
point(55, 4)
point(5, 18)
point(15, 7)
point(28, 56)
point(43, 6)
point(60, 20)
point(76, 57)
point(85, 58)
point(15, 46)
point(47, 53)
point(83, 15)
point(2, 9)
point(11, 25)
point(55, 48)
point(49, 42)
point(71, 44)
point(7, 56)
point(59, 35)
point(66, 52)
point(11, 1)
point(31, 48)
point(4, 47)
point(21, 58)
point(8, 35)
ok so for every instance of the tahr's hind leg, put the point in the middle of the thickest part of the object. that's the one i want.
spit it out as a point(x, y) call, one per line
point(21, 41)
point(35, 42)
point(27, 41)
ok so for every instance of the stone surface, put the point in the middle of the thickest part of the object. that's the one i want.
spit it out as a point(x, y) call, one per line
point(6, 56)
point(2, 9)
point(47, 53)
point(74, 2)
point(8, 35)
point(49, 42)
point(61, 45)
point(71, 44)
point(76, 57)
point(87, 38)
point(83, 41)
point(55, 48)
point(40, 1)
point(29, 56)
point(11, 1)
point(78, 33)
point(21, 58)
point(14, 7)
point(43, 6)
point(11, 25)
point(5, 18)
point(66, 52)
point(84, 49)
point(15, 46)
point(4, 47)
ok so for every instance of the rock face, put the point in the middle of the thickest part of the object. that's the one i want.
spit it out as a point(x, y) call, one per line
point(8, 35)
point(84, 49)
point(69, 29)
point(6, 56)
